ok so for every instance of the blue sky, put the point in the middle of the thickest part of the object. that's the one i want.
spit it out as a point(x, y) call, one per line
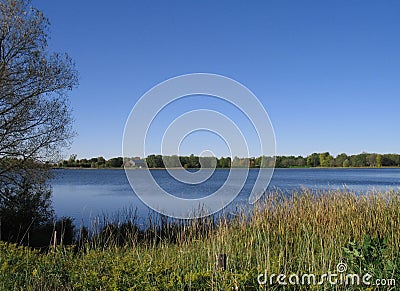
point(327, 72)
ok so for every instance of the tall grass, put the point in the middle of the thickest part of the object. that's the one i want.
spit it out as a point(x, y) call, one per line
point(305, 232)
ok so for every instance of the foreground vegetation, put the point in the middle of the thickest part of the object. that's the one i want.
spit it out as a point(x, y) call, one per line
point(308, 232)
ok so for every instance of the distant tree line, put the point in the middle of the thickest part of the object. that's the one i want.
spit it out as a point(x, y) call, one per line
point(98, 162)
point(313, 160)
point(342, 160)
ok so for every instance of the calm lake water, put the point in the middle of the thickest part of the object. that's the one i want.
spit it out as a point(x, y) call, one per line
point(85, 194)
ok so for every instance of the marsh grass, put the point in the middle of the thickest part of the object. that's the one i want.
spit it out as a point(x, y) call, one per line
point(304, 232)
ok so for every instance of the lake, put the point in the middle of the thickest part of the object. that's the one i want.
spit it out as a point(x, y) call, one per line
point(85, 194)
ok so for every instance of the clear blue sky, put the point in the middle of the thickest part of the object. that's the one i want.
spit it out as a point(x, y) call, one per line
point(327, 72)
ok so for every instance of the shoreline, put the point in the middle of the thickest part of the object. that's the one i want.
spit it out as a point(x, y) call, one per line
point(175, 169)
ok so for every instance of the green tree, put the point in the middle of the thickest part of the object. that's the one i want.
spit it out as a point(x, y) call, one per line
point(252, 162)
point(114, 162)
point(72, 160)
point(390, 160)
point(208, 162)
point(358, 160)
point(325, 160)
point(278, 162)
point(313, 160)
point(154, 161)
point(267, 162)
point(300, 161)
point(339, 160)
point(101, 162)
point(35, 120)
point(224, 162)
point(371, 160)
point(378, 161)
point(184, 161)
point(287, 162)
point(194, 161)
point(171, 161)
point(84, 163)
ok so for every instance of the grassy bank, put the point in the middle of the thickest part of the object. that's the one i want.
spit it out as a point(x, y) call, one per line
point(308, 232)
